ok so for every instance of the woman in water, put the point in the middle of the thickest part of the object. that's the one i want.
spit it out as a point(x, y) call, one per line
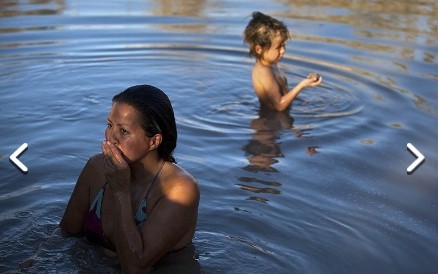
point(133, 198)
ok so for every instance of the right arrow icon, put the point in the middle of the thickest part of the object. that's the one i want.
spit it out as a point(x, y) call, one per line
point(420, 158)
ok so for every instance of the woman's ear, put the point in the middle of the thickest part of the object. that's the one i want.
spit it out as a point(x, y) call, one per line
point(155, 141)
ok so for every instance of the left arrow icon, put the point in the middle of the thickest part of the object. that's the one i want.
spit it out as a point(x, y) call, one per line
point(14, 158)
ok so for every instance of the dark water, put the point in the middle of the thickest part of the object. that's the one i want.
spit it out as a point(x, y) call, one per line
point(323, 189)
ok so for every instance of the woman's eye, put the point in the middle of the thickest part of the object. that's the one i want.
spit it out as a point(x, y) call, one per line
point(109, 125)
point(124, 131)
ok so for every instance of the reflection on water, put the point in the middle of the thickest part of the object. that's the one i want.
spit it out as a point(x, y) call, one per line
point(10, 8)
point(193, 8)
point(407, 20)
point(328, 179)
point(312, 150)
point(263, 150)
point(392, 32)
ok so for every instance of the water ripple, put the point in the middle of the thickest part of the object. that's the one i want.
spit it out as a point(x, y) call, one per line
point(320, 189)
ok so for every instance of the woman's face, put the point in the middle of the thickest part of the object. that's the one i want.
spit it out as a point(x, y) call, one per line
point(125, 132)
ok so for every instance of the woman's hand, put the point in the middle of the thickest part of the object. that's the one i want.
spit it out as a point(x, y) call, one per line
point(118, 174)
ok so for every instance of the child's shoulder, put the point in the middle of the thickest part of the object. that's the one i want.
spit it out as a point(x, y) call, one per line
point(263, 79)
point(260, 71)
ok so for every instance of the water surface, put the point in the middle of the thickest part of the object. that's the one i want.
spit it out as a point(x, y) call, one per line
point(322, 189)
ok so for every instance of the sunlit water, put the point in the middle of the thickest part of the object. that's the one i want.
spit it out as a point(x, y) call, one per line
point(322, 189)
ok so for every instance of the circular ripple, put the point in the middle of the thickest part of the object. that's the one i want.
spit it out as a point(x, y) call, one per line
point(23, 214)
point(326, 101)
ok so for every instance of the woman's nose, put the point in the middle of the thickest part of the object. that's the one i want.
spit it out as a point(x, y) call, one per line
point(111, 136)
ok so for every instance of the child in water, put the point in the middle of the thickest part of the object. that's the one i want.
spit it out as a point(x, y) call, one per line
point(267, 38)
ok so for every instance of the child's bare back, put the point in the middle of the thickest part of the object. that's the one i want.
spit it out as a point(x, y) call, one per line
point(267, 39)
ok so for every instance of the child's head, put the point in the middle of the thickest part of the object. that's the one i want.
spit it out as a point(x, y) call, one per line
point(260, 32)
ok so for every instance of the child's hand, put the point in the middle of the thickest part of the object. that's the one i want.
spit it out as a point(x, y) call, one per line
point(314, 76)
point(312, 80)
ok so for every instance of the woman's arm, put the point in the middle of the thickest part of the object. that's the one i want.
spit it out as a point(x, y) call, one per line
point(79, 203)
point(172, 220)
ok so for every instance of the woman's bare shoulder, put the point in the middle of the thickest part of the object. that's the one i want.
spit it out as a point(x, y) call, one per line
point(180, 184)
point(96, 159)
point(93, 172)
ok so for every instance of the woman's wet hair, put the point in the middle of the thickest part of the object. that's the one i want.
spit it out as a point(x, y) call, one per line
point(157, 116)
point(261, 30)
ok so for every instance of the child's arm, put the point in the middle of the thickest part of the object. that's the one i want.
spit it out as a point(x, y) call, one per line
point(272, 90)
point(289, 97)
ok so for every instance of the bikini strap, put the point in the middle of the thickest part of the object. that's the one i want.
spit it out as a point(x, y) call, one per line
point(155, 178)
